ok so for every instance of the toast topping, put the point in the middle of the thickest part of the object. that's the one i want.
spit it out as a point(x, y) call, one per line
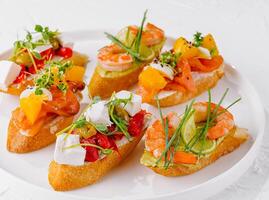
point(183, 140)
point(132, 45)
point(177, 66)
point(105, 126)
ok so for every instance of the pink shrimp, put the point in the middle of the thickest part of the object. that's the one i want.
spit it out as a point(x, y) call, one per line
point(155, 136)
point(114, 58)
point(151, 35)
point(224, 121)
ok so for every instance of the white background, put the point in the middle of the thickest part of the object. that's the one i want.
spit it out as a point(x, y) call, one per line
point(241, 29)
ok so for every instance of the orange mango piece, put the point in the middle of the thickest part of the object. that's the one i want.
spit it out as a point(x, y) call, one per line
point(210, 44)
point(31, 106)
point(186, 49)
point(75, 73)
point(151, 79)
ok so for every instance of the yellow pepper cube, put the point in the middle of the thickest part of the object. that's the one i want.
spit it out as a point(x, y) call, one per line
point(151, 79)
point(75, 73)
point(31, 106)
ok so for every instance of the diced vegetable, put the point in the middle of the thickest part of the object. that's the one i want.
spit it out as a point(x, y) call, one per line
point(186, 49)
point(210, 44)
point(75, 73)
point(31, 106)
point(182, 157)
point(151, 79)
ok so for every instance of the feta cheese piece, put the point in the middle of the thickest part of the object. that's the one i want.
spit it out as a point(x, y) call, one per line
point(42, 48)
point(165, 70)
point(98, 114)
point(69, 156)
point(9, 72)
point(29, 90)
point(132, 107)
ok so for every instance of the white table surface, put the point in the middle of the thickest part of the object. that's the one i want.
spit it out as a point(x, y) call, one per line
point(241, 29)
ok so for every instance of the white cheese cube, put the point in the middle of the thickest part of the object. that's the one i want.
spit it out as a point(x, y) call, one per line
point(8, 73)
point(42, 48)
point(132, 107)
point(69, 156)
point(165, 70)
point(98, 114)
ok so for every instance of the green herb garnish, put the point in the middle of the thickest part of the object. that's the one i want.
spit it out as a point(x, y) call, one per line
point(197, 39)
point(169, 58)
point(29, 44)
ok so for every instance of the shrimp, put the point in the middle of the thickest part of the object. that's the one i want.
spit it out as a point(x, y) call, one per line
point(151, 35)
point(155, 135)
point(224, 121)
point(114, 58)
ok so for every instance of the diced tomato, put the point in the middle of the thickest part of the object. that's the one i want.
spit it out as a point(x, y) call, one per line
point(103, 141)
point(118, 136)
point(20, 77)
point(92, 153)
point(47, 54)
point(113, 145)
point(65, 52)
point(111, 128)
point(136, 123)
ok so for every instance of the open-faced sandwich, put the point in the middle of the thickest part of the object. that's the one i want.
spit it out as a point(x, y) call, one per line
point(104, 134)
point(46, 107)
point(120, 63)
point(180, 145)
point(182, 73)
point(31, 54)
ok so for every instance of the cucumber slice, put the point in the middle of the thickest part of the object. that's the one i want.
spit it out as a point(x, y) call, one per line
point(189, 131)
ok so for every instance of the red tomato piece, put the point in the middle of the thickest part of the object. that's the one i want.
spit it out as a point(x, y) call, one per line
point(136, 123)
point(21, 75)
point(65, 52)
point(103, 141)
point(92, 153)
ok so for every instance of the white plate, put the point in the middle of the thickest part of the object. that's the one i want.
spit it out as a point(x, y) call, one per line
point(131, 180)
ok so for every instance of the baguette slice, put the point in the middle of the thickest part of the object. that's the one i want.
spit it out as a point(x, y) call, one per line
point(67, 177)
point(104, 87)
point(202, 85)
point(18, 143)
point(232, 141)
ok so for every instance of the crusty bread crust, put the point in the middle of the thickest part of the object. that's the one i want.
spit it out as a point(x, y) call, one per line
point(231, 142)
point(202, 85)
point(67, 177)
point(18, 143)
point(104, 87)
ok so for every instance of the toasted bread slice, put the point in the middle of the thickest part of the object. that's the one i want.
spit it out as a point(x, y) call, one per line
point(67, 177)
point(202, 85)
point(19, 143)
point(104, 87)
point(232, 141)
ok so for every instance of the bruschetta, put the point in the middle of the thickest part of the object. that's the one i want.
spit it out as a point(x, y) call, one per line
point(181, 145)
point(120, 63)
point(182, 73)
point(31, 54)
point(104, 134)
point(46, 107)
